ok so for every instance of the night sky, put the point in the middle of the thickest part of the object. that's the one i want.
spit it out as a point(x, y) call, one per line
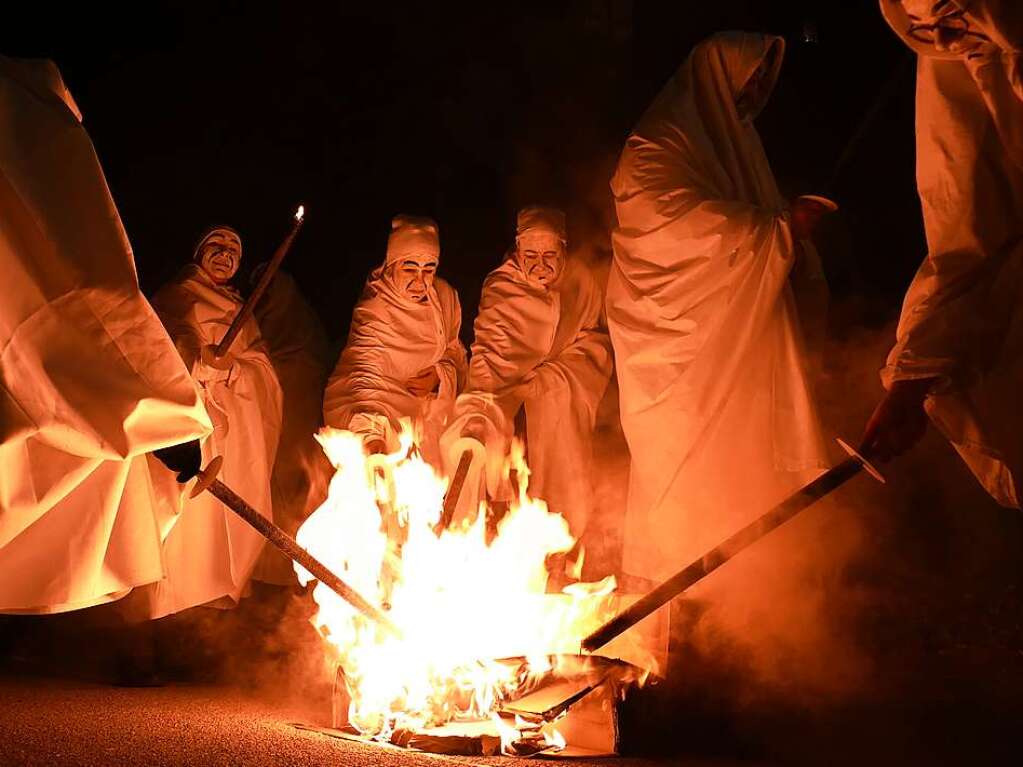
point(235, 112)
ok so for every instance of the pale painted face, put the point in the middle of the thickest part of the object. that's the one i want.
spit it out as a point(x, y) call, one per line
point(412, 276)
point(942, 24)
point(541, 256)
point(220, 255)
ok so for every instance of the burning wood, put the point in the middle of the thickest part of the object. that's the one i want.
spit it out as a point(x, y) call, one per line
point(436, 688)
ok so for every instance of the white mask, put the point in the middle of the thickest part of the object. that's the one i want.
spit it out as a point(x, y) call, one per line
point(541, 256)
point(219, 255)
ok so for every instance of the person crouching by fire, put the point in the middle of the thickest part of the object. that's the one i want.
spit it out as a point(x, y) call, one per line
point(210, 553)
point(541, 350)
point(403, 358)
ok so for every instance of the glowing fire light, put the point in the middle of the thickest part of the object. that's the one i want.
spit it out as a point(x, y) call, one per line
point(459, 602)
point(300, 213)
point(554, 739)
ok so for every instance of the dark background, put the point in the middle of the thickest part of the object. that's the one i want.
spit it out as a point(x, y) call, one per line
point(234, 112)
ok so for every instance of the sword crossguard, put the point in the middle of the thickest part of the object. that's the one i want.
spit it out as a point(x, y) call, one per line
point(867, 465)
point(207, 476)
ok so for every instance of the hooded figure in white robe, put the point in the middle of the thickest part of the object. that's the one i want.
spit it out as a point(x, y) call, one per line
point(540, 347)
point(959, 346)
point(299, 351)
point(89, 380)
point(715, 401)
point(210, 553)
point(403, 358)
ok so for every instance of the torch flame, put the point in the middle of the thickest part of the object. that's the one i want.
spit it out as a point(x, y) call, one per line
point(300, 213)
point(460, 601)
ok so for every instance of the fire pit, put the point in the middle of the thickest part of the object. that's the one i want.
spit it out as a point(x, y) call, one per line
point(570, 711)
point(484, 660)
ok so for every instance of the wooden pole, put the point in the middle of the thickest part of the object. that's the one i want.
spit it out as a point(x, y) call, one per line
point(454, 492)
point(264, 281)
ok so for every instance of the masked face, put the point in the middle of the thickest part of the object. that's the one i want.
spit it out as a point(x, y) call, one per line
point(219, 256)
point(541, 256)
point(943, 24)
point(413, 276)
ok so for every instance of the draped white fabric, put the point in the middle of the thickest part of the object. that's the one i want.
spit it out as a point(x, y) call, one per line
point(715, 402)
point(210, 553)
point(552, 340)
point(962, 320)
point(299, 351)
point(393, 339)
point(89, 380)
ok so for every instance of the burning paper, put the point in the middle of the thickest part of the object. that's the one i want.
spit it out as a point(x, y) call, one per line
point(460, 603)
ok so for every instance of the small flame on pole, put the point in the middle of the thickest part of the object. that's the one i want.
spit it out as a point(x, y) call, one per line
point(300, 213)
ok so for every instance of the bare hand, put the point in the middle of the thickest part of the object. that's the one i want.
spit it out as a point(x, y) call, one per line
point(425, 382)
point(899, 420)
point(476, 428)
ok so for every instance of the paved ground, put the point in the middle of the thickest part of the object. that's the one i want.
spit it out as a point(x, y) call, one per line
point(60, 722)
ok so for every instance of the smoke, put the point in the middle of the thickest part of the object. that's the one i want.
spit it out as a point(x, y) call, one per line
point(781, 621)
point(267, 645)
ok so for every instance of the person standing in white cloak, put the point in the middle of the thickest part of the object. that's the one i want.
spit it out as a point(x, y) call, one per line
point(210, 553)
point(298, 349)
point(541, 349)
point(715, 401)
point(89, 380)
point(958, 355)
point(403, 358)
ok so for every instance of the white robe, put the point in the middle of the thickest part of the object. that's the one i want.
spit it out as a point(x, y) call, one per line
point(298, 350)
point(962, 320)
point(715, 402)
point(210, 553)
point(392, 339)
point(554, 339)
point(89, 380)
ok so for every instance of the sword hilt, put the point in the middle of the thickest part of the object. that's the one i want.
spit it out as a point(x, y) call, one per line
point(206, 477)
point(867, 465)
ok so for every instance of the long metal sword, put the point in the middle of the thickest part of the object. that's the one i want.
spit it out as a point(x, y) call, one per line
point(208, 482)
point(747, 536)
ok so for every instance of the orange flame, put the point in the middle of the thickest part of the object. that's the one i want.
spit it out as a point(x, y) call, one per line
point(459, 601)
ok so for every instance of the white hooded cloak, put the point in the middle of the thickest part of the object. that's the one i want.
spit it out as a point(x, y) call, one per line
point(962, 320)
point(553, 340)
point(392, 339)
point(715, 401)
point(89, 380)
point(210, 553)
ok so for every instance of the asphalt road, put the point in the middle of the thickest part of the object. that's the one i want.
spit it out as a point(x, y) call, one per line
point(60, 722)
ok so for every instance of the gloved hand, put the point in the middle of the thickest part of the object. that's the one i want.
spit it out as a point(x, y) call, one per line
point(898, 422)
point(185, 459)
point(806, 215)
